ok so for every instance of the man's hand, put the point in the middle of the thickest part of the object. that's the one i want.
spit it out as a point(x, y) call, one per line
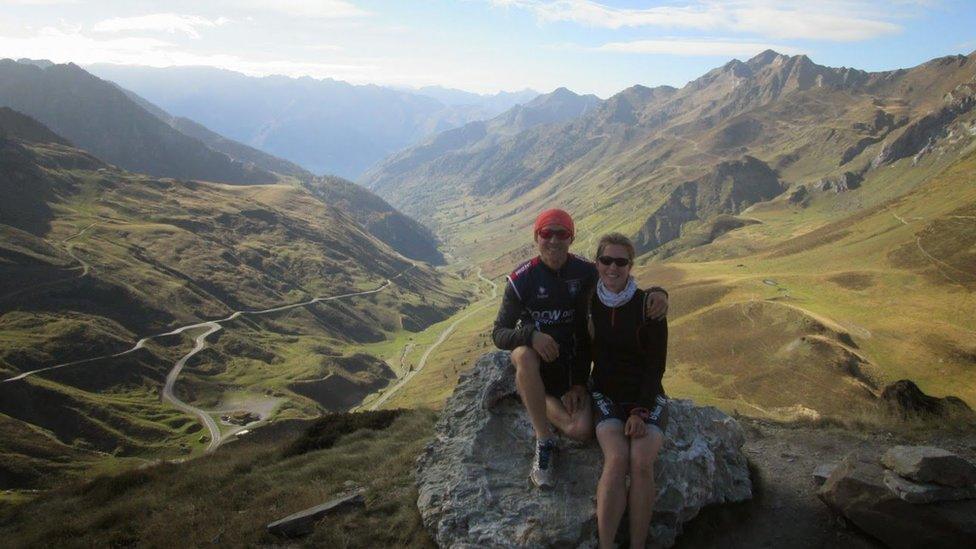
point(545, 345)
point(635, 427)
point(657, 305)
point(573, 398)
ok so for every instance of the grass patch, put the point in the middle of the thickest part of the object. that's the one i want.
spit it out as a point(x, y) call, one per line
point(325, 432)
point(228, 498)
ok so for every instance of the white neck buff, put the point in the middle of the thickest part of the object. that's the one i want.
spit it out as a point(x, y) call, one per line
point(611, 299)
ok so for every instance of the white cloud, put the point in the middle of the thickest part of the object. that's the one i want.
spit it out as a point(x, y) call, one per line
point(834, 20)
point(695, 48)
point(162, 22)
point(36, 2)
point(63, 45)
point(318, 9)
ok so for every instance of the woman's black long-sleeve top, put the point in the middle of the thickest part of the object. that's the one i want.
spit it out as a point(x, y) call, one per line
point(629, 351)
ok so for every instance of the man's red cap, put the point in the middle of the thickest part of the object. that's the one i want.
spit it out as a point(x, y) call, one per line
point(554, 216)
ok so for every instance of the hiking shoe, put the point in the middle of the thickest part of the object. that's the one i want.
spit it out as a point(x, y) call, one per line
point(542, 466)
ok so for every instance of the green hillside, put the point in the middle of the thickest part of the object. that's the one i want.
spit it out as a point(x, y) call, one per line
point(93, 258)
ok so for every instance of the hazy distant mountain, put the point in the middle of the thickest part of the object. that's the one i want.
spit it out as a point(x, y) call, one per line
point(494, 103)
point(96, 116)
point(326, 126)
point(463, 151)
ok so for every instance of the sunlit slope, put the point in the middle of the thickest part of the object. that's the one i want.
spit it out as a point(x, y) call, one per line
point(812, 325)
point(95, 258)
point(824, 319)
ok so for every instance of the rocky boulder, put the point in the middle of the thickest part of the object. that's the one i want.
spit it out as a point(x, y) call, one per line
point(857, 489)
point(473, 478)
point(930, 464)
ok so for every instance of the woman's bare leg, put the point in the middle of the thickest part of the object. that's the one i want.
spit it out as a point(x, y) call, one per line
point(643, 492)
point(611, 492)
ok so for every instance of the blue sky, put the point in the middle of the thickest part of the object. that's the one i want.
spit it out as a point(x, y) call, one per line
point(589, 46)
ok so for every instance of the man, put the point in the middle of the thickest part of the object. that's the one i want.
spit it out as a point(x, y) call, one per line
point(542, 320)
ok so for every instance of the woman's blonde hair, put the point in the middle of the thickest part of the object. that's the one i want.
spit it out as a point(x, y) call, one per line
point(619, 240)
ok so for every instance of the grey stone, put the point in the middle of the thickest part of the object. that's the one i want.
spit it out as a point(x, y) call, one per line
point(931, 465)
point(303, 522)
point(856, 490)
point(823, 471)
point(473, 478)
point(923, 492)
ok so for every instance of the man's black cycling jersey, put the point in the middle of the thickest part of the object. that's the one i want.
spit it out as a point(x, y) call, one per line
point(554, 303)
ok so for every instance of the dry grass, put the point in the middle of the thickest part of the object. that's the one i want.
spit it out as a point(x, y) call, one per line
point(230, 497)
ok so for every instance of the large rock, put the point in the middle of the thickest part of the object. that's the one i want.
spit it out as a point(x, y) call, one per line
point(931, 465)
point(856, 490)
point(924, 492)
point(473, 478)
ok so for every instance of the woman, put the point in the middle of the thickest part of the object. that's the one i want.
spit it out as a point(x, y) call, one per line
point(630, 409)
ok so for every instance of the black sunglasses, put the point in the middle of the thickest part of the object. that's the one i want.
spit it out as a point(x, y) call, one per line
point(619, 261)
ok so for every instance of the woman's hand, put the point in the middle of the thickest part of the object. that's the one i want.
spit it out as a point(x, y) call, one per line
point(635, 427)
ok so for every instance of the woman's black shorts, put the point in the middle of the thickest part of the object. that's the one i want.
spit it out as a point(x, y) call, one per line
point(606, 409)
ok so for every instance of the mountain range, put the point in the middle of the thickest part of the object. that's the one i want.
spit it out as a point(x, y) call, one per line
point(119, 126)
point(639, 150)
point(326, 126)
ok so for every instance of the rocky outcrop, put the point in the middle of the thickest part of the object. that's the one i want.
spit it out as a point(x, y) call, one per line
point(839, 183)
point(919, 136)
point(473, 478)
point(728, 189)
point(860, 490)
point(904, 398)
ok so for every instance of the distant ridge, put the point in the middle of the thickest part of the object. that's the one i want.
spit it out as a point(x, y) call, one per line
point(98, 117)
point(326, 126)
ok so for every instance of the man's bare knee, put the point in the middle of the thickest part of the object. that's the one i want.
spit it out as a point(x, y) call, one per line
point(580, 429)
point(524, 357)
point(581, 433)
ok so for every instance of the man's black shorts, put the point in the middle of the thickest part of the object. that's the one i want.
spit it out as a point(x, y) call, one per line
point(556, 375)
point(607, 410)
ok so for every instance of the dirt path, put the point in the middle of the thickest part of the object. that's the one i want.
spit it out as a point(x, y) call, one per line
point(68, 248)
point(423, 359)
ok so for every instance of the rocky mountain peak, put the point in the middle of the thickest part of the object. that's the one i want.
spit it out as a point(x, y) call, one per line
point(766, 58)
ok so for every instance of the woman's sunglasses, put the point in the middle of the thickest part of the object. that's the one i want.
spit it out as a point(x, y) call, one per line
point(560, 234)
point(618, 261)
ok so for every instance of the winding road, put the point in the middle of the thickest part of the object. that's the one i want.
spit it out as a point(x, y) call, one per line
point(212, 326)
point(443, 337)
point(68, 248)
